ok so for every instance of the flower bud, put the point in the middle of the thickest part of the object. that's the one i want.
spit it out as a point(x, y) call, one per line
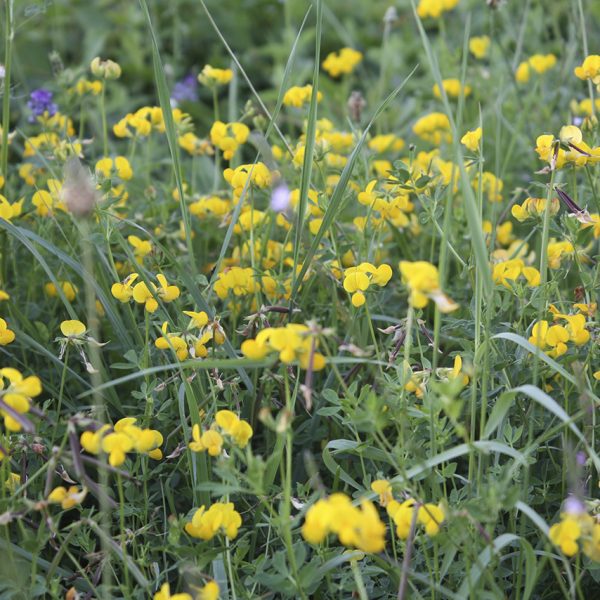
point(105, 69)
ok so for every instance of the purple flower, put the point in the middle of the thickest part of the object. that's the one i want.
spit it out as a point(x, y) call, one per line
point(280, 199)
point(185, 90)
point(40, 102)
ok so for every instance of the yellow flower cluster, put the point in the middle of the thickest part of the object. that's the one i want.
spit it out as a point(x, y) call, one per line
point(557, 251)
point(534, 207)
point(589, 69)
point(433, 127)
point(210, 206)
point(47, 202)
point(394, 209)
point(358, 279)
point(472, 139)
point(118, 166)
point(355, 527)
point(479, 46)
point(538, 63)
point(212, 76)
point(578, 153)
point(124, 291)
point(423, 281)
point(67, 498)
point(186, 343)
point(576, 528)
point(553, 338)
point(417, 383)
point(435, 8)
point(259, 175)
point(430, 516)
point(83, 87)
point(69, 290)
point(453, 89)
point(7, 336)
point(121, 439)
point(237, 280)
point(342, 62)
point(145, 120)
point(228, 137)
point(294, 342)
point(297, 96)
point(16, 397)
point(508, 271)
point(386, 143)
point(491, 186)
point(212, 440)
point(210, 591)
point(220, 518)
point(9, 211)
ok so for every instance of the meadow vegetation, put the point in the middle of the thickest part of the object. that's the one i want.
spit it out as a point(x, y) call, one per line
point(299, 299)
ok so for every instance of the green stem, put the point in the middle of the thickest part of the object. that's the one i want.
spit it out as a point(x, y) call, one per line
point(8, 40)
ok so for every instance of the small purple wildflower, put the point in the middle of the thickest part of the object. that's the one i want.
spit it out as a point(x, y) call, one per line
point(40, 102)
point(185, 90)
point(574, 506)
point(280, 199)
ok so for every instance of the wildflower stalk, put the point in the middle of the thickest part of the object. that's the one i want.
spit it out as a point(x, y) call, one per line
point(61, 388)
point(96, 381)
point(360, 584)
point(8, 41)
point(586, 52)
point(122, 526)
point(104, 123)
point(286, 516)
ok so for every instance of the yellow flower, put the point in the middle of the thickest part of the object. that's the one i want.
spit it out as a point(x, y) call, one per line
point(355, 527)
point(422, 280)
point(565, 535)
point(589, 69)
point(433, 127)
point(228, 137)
point(165, 594)
point(172, 341)
point(479, 46)
point(435, 8)
point(237, 178)
point(342, 63)
point(211, 76)
point(18, 395)
point(143, 295)
point(120, 166)
point(72, 328)
point(453, 89)
point(471, 139)
point(7, 336)
point(555, 337)
point(198, 319)
point(209, 592)
point(357, 280)
point(297, 96)
point(209, 440)
point(123, 291)
point(292, 342)
point(219, 518)
point(534, 207)
point(141, 248)
point(239, 430)
point(384, 488)
point(9, 211)
point(69, 290)
point(116, 445)
point(431, 517)
point(67, 498)
point(386, 143)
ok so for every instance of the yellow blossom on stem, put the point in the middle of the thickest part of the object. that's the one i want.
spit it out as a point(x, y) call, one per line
point(67, 498)
point(471, 139)
point(342, 62)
